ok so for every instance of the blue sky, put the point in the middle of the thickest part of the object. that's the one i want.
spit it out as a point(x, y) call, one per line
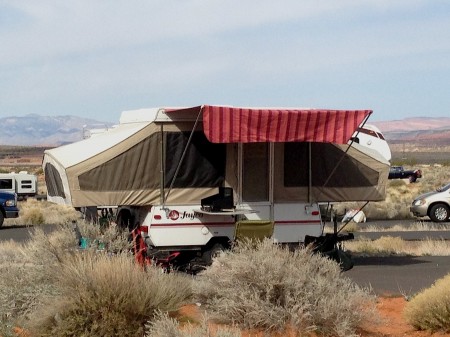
point(97, 58)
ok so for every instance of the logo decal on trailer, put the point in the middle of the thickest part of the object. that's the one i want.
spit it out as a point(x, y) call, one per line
point(174, 215)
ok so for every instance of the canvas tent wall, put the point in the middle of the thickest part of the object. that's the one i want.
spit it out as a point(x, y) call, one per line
point(133, 163)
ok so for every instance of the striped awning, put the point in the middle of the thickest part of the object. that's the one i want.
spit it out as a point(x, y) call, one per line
point(223, 124)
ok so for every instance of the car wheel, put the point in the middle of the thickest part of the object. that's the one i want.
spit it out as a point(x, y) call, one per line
point(211, 253)
point(439, 213)
point(1, 218)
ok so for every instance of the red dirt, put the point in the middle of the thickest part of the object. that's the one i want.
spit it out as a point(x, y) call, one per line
point(390, 309)
point(393, 324)
point(391, 313)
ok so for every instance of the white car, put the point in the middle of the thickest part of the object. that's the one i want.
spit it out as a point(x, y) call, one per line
point(434, 204)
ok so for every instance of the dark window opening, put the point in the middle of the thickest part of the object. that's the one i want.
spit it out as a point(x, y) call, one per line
point(53, 181)
point(324, 158)
point(256, 172)
point(6, 184)
point(203, 164)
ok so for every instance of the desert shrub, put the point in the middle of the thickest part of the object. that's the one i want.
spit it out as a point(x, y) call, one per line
point(103, 295)
point(396, 183)
point(384, 246)
point(112, 237)
point(29, 271)
point(266, 286)
point(35, 212)
point(28, 274)
point(350, 227)
point(33, 216)
point(164, 326)
point(430, 309)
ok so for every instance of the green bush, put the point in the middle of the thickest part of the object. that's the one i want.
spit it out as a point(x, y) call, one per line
point(265, 286)
point(430, 309)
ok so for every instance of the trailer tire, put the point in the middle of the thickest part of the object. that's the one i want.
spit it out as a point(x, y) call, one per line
point(211, 253)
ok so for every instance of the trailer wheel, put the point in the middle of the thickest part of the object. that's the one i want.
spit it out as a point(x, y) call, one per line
point(212, 252)
point(1, 218)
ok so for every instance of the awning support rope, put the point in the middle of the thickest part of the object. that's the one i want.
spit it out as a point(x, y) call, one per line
point(182, 158)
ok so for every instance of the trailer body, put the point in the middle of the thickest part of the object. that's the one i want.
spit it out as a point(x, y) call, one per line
point(23, 184)
point(194, 179)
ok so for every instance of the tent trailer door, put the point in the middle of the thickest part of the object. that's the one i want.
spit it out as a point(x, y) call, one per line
point(256, 179)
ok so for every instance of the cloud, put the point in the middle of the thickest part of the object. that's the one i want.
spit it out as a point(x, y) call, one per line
point(52, 29)
point(82, 55)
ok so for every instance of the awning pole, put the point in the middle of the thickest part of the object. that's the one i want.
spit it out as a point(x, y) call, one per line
point(309, 173)
point(342, 157)
point(182, 158)
point(161, 167)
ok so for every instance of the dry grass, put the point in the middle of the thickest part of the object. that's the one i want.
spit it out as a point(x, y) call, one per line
point(430, 310)
point(28, 274)
point(164, 326)
point(35, 212)
point(105, 295)
point(50, 286)
point(111, 238)
point(265, 286)
point(388, 245)
point(400, 194)
point(416, 226)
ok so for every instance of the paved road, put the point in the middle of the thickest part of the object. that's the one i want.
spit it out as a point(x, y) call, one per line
point(398, 275)
point(386, 275)
point(21, 233)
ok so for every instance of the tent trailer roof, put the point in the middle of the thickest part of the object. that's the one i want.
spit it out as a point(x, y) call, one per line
point(74, 153)
point(226, 124)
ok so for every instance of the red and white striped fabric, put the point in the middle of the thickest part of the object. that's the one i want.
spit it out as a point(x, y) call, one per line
point(248, 125)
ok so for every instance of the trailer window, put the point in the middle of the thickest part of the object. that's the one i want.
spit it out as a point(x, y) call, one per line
point(203, 164)
point(6, 184)
point(26, 184)
point(324, 158)
point(256, 172)
point(53, 181)
point(139, 166)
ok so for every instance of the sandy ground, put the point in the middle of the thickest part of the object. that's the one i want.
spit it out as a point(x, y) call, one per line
point(393, 324)
point(391, 313)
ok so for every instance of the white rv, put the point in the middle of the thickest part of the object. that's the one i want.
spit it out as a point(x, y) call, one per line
point(190, 180)
point(23, 184)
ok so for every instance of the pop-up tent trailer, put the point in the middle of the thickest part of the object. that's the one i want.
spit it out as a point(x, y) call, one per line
point(162, 168)
point(133, 164)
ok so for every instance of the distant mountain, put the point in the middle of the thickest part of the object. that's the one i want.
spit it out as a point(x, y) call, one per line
point(36, 130)
point(43, 130)
point(426, 130)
